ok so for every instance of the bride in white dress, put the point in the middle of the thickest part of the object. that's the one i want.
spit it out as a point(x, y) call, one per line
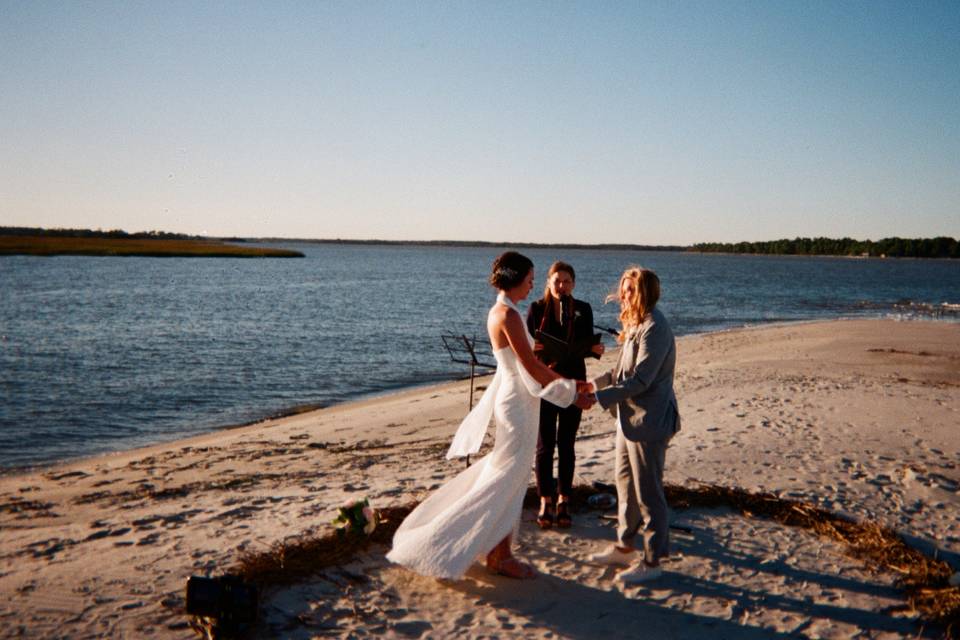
point(476, 512)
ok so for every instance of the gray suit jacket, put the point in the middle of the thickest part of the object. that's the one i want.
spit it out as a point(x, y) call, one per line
point(639, 390)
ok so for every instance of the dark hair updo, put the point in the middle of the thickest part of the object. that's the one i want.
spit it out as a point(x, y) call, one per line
point(509, 270)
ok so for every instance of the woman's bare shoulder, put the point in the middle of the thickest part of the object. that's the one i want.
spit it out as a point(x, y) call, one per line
point(498, 311)
point(503, 318)
point(497, 317)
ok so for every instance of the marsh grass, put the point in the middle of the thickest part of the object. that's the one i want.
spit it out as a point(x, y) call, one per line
point(298, 558)
point(149, 247)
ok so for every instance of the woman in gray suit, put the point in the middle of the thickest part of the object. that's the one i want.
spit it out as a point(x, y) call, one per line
point(639, 393)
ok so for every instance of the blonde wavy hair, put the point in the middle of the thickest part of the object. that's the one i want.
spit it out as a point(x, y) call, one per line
point(637, 302)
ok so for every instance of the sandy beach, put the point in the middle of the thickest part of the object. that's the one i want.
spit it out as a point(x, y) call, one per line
point(859, 417)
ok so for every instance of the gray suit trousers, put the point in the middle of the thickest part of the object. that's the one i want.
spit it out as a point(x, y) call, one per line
point(641, 503)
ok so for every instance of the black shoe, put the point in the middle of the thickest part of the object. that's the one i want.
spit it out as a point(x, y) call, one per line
point(545, 517)
point(564, 521)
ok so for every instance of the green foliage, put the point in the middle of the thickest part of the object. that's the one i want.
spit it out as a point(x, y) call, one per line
point(940, 247)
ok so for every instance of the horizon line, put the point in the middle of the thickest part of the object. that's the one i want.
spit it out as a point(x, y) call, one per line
point(464, 243)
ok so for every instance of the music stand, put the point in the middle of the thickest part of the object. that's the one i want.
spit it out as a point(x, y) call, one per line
point(469, 351)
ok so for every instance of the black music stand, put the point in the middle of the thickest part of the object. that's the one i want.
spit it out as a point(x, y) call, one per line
point(469, 351)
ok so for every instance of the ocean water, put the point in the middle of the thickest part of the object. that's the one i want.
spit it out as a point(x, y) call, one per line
point(103, 354)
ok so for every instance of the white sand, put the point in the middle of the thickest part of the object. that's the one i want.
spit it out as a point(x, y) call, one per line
point(857, 416)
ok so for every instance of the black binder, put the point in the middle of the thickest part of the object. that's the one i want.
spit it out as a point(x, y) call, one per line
point(557, 350)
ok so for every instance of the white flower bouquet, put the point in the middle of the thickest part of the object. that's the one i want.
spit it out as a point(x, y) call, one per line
point(356, 517)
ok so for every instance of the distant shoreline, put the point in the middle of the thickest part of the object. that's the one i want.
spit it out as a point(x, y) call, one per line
point(40, 241)
point(473, 243)
point(590, 247)
point(594, 247)
point(133, 247)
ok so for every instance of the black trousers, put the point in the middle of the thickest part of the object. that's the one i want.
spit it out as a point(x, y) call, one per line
point(558, 430)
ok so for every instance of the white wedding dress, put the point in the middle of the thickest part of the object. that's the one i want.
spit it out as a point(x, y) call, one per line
point(467, 517)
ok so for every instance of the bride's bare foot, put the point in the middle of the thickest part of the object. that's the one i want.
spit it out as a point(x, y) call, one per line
point(511, 568)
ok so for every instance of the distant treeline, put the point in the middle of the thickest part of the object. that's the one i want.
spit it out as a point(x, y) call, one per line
point(164, 235)
point(890, 247)
point(483, 243)
point(941, 247)
point(91, 233)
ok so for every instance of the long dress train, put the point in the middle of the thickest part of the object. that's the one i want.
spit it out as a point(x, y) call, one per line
point(469, 515)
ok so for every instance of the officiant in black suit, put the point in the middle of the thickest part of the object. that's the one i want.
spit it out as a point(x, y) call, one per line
point(562, 328)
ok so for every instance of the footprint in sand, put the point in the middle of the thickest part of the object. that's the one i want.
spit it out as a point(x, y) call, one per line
point(173, 521)
point(881, 480)
point(26, 508)
point(945, 483)
point(49, 548)
point(412, 628)
point(107, 533)
point(239, 513)
point(150, 538)
point(69, 474)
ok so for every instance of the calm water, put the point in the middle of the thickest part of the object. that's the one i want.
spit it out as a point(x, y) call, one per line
point(100, 354)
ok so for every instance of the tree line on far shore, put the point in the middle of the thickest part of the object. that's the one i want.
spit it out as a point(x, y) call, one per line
point(94, 233)
point(940, 247)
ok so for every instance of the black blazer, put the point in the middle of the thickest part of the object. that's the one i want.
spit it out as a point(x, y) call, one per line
point(582, 327)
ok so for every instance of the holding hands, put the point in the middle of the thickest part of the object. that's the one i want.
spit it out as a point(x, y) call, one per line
point(585, 395)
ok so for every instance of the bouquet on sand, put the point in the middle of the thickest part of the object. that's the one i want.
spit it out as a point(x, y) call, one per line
point(356, 517)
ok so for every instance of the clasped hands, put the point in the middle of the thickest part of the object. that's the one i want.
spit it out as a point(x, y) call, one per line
point(585, 395)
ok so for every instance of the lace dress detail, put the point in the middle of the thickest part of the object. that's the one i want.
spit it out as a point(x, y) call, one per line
point(467, 517)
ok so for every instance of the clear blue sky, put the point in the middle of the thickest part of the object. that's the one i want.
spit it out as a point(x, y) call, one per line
point(652, 123)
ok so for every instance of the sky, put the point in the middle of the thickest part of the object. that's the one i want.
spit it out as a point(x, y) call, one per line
point(583, 122)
